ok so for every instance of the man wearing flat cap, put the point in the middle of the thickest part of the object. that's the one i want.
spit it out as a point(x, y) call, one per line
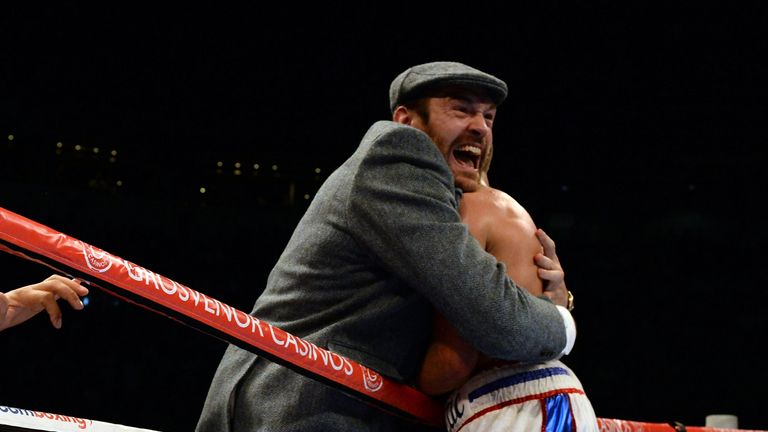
point(380, 246)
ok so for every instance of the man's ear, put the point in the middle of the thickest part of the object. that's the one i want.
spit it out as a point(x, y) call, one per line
point(402, 115)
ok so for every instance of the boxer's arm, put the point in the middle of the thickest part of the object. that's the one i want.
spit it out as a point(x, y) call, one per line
point(450, 360)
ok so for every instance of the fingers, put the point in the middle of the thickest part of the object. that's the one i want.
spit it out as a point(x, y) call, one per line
point(81, 290)
point(54, 313)
point(548, 269)
point(67, 289)
point(59, 287)
point(551, 275)
point(548, 264)
point(543, 261)
point(547, 243)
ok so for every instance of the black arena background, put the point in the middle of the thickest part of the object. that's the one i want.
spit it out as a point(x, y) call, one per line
point(191, 140)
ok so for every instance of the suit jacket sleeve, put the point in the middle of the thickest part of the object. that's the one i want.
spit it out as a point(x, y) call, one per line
point(404, 202)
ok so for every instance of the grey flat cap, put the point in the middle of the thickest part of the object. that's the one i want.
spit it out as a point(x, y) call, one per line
point(418, 78)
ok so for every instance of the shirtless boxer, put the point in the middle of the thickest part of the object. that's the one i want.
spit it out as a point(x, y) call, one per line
point(493, 395)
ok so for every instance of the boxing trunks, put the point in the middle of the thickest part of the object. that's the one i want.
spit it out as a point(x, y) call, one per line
point(544, 397)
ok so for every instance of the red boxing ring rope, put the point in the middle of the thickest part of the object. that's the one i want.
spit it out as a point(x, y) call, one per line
point(28, 239)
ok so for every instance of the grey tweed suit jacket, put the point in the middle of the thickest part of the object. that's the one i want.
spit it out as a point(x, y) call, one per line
point(379, 247)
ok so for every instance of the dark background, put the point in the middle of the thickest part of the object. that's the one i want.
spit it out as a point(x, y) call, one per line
point(634, 134)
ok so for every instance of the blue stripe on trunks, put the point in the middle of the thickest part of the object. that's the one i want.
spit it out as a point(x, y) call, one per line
point(515, 379)
point(559, 416)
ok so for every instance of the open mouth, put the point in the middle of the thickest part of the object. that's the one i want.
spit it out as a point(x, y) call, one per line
point(468, 156)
